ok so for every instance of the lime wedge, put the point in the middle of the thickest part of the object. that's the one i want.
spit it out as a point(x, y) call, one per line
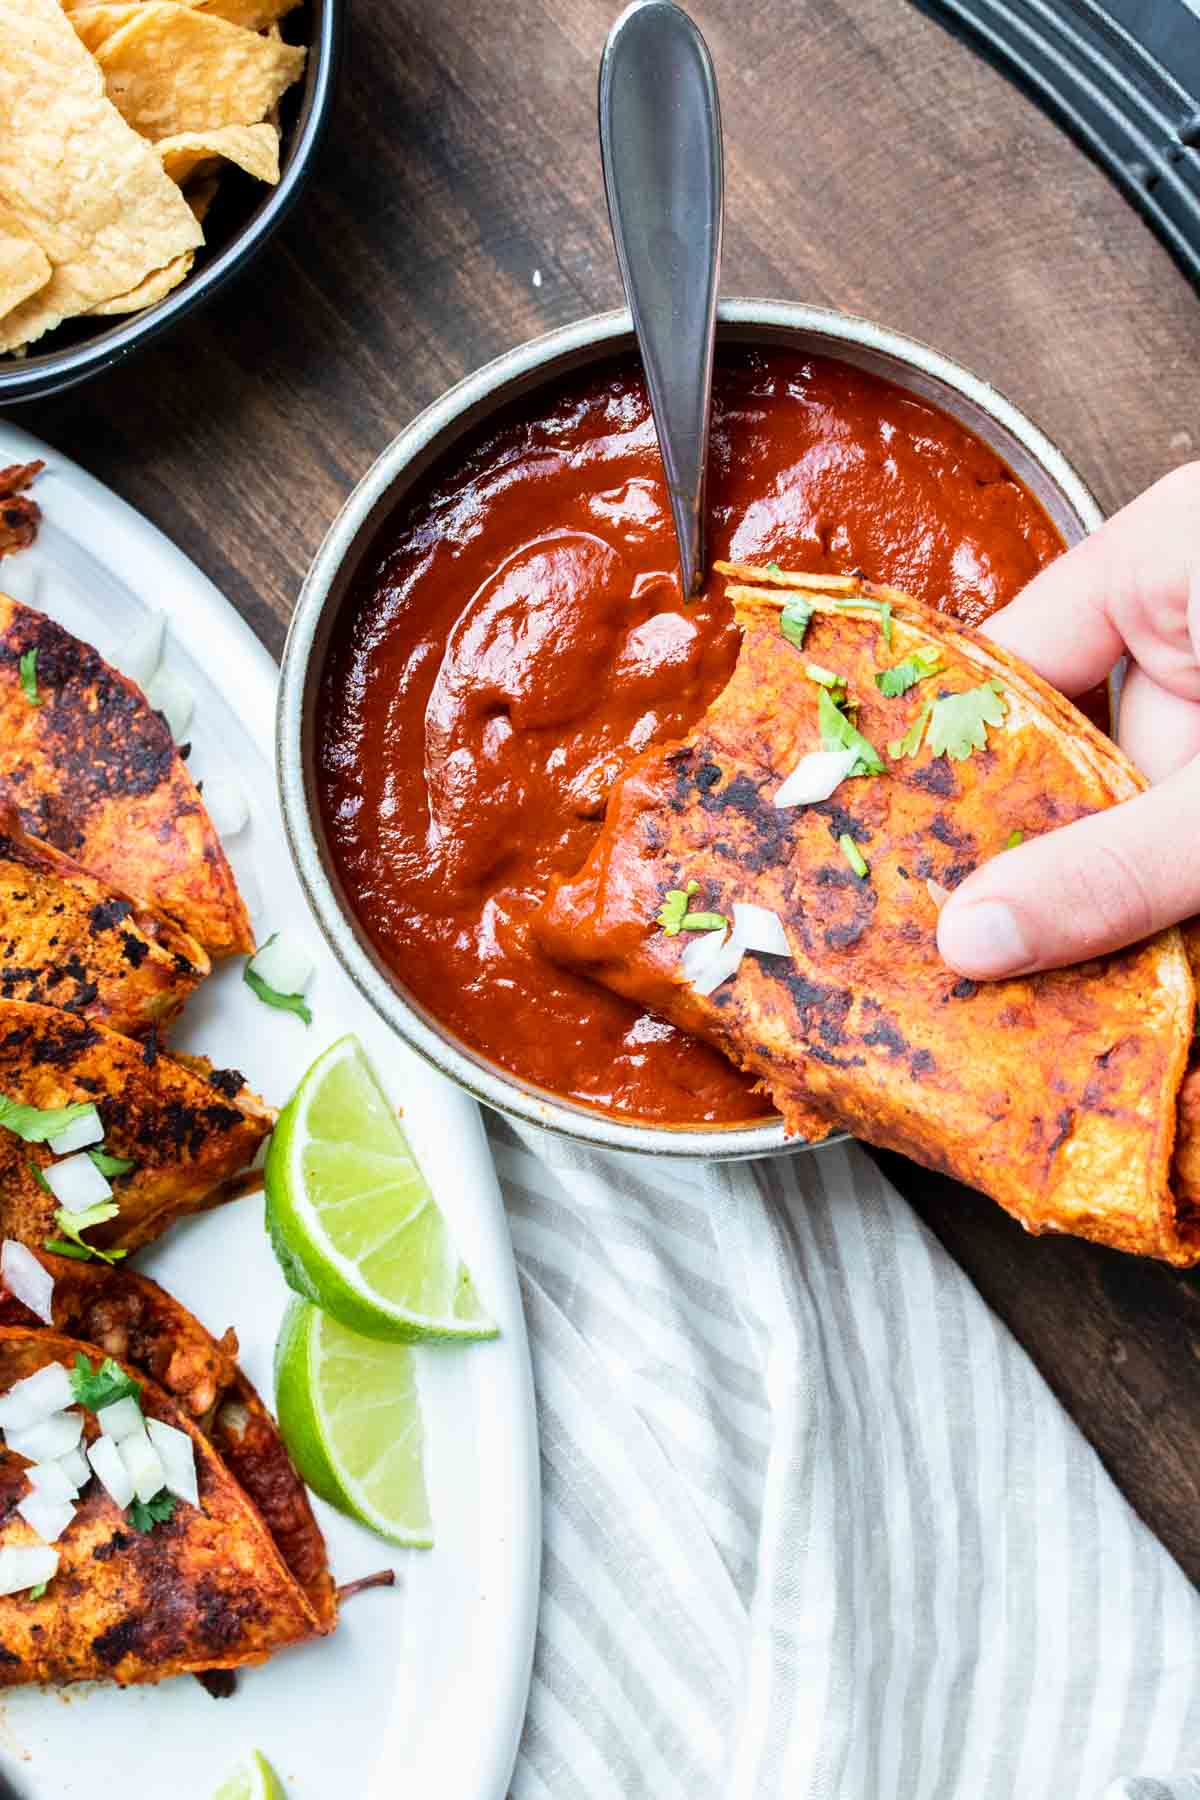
point(253, 1779)
point(351, 1216)
point(350, 1417)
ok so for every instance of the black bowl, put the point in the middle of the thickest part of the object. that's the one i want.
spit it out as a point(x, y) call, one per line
point(241, 220)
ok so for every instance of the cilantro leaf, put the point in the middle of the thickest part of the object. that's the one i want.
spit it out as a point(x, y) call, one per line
point(883, 608)
point(35, 1123)
point(35, 1593)
point(144, 1515)
point(837, 733)
point(95, 1388)
point(795, 619)
point(910, 743)
point(904, 675)
point(60, 1247)
point(675, 904)
point(853, 855)
point(28, 668)
point(111, 1165)
point(958, 722)
point(73, 1225)
point(704, 921)
point(270, 996)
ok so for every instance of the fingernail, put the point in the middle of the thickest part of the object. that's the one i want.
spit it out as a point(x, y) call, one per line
point(983, 939)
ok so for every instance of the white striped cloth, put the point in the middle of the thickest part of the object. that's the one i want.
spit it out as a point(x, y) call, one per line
point(814, 1525)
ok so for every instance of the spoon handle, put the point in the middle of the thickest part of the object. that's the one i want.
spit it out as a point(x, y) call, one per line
point(660, 145)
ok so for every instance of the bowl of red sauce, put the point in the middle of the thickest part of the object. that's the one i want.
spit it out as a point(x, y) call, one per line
point(493, 629)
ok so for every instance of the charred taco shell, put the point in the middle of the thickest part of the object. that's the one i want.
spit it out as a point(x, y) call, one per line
point(184, 1133)
point(92, 769)
point(205, 1589)
point(130, 1318)
point(70, 940)
point(1056, 1093)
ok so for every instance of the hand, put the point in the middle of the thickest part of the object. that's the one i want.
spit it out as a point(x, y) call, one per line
point(1111, 879)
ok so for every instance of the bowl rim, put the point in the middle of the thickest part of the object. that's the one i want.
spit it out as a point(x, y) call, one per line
point(490, 386)
point(41, 374)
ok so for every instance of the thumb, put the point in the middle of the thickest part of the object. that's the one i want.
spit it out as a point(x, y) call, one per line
point(1097, 885)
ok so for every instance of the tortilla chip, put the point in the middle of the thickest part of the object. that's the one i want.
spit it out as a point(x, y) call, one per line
point(24, 270)
point(68, 940)
point(207, 1589)
point(129, 1316)
point(172, 69)
point(94, 23)
point(254, 148)
point(73, 177)
point(253, 14)
point(94, 771)
point(149, 292)
point(1053, 1093)
point(183, 1135)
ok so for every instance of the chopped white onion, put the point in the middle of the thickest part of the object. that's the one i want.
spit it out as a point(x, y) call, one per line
point(758, 928)
point(178, 1460)
point(50, 1440)
point(937, 893)
point(77, 1183)
point(141, 653)
point(52, 1480)
point(815, 777)
point(86, 1130)
point(121, 1419)
point(284, 964)
point(711, 960)
point(144, 1465)
point(25, 1566)
point(170, 695)
point(226, 805)
point(26, 1279)
point(74, 1466)
point(36, 1398)
point(109, 1465)
point(49, 1518)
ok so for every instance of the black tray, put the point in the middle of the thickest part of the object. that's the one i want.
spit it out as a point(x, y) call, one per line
point(1124, 80)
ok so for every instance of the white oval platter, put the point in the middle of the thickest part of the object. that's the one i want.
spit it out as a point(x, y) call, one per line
point(422, 1689)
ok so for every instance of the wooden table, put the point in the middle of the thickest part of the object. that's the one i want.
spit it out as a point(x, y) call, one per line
point(874, 165)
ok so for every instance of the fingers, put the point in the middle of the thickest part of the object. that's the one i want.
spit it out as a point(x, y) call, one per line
point(1134, 584)
point(1157, 730)
point(1091, 887)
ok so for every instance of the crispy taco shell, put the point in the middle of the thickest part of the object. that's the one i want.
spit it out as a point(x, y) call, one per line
point(185, 1134)
point(93, 770)
point(131, 1318)
point(69, 940)
point(1056, 1094)
point(207, 1589)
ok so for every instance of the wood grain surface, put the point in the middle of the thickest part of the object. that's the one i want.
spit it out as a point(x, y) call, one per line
point(873, 164)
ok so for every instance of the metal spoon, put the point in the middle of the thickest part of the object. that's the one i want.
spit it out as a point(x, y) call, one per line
point(660, 145)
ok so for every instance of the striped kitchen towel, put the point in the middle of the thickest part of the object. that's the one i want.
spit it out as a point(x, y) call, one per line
point(814, 1525)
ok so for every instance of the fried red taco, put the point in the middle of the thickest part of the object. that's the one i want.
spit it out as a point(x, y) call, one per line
point(217, 1580)
point(92, 769)
point(1057, 1094)
point(69, 940)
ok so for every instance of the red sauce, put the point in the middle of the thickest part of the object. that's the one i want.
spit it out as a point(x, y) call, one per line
point(517, 635)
